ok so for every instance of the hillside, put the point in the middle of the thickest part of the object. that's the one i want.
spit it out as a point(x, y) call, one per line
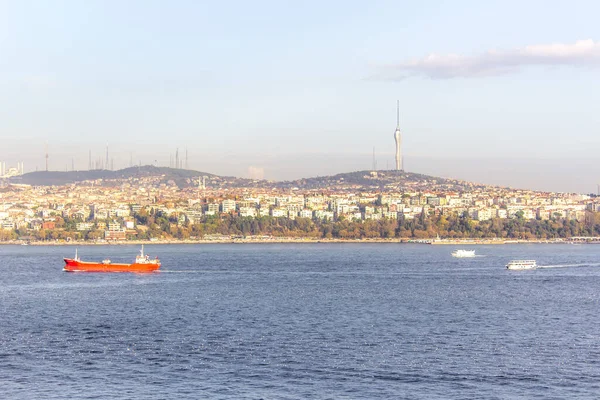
point(48, 178)
point(358, 180)
point(378, 180)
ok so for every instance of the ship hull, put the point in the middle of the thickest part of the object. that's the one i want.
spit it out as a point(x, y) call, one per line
point(72, 265)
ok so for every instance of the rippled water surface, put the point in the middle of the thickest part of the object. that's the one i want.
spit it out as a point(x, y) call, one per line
point(320, 321)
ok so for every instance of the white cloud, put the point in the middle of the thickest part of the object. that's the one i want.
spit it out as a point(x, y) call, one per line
point(496, 62)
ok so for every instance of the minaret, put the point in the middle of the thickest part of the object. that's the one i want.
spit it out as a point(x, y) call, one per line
point(398, 138)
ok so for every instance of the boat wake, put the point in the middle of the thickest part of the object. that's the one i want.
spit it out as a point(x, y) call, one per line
point(569, 265)
point(183, 271)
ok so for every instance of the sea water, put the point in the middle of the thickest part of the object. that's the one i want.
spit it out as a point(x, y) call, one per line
point(302, 321)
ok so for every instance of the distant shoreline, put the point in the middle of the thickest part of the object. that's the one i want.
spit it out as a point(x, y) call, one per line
point(446, 242)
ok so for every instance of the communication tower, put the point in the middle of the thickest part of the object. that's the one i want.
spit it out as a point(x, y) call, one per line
point(398, 139)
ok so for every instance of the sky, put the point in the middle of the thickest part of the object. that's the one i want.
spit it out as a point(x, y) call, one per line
point(499, 92)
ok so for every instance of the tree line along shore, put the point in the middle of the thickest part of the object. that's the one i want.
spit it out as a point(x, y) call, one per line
point(155, 226)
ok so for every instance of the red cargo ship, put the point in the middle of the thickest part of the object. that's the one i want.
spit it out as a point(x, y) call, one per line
point(142, 263)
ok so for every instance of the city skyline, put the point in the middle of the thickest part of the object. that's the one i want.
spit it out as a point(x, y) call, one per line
point(493, 170)
point(285, 92)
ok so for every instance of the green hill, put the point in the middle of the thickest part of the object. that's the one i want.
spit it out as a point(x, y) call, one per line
point(358, 180)
point(49, 178)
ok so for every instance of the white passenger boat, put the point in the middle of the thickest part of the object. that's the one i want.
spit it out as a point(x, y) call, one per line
point(463, 253)
point(521, 264)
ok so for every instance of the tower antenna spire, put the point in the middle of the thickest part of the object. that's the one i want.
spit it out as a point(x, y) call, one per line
point(398, 140)
point(374, 162)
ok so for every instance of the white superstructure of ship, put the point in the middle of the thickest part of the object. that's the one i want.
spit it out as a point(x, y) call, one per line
point(463, 253)
point(521, 264)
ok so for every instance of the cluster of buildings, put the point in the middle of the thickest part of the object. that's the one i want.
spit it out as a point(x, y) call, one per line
point(9, 172)
point(109, 207)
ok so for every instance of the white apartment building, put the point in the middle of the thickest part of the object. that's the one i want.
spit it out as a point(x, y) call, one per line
point(248, 211)
point(306, 214)
point(212, 209)
point(357, 216)
point(327, 215)
point(279, 212)
point(262, 212)
point(390, 215)
point(484, 214)
point(85, 226)
point(543, 213)
point(228, 206)
point(114, 226)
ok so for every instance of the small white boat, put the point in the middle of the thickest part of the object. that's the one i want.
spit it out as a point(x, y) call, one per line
point(521, 264)
point(463, 253)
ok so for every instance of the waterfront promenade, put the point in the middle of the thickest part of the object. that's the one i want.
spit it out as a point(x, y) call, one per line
point(454, 242)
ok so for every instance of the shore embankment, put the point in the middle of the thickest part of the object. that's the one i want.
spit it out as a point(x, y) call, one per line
point(280, 240)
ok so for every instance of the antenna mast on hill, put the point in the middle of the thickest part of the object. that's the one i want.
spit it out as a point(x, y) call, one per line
point(46, 156)
point(374, 161)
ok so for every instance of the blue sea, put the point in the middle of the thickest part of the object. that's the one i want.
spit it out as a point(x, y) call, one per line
point(302, 321)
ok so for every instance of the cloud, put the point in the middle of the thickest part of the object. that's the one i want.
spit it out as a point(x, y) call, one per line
point(496, 62)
